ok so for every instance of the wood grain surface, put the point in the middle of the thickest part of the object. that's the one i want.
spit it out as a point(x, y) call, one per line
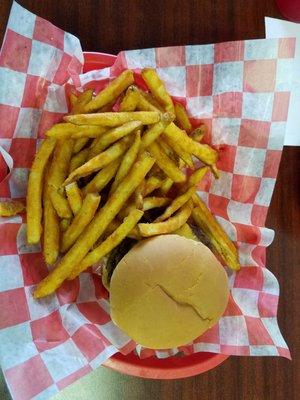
point(111, 26)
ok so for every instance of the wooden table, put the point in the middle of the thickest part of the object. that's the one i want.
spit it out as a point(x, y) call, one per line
point(111, 26)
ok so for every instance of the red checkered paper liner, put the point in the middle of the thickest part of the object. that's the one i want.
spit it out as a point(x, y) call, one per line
point(241, 91)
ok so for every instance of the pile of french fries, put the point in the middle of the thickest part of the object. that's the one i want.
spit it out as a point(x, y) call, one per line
point(99, 172)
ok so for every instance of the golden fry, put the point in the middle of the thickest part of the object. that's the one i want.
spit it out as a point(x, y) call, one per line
point(74, 197)
point(152, 184)
point(138, 196)
point(168, 226)
point(147, 103)
point(64, 224)
point(185, 156)
point(79, 144)
point(196, 177)
point(182, 118)
point(166, 164)
point(100, 161)
point(73, 99)
point(91, 132)
point(110, 243)
point(127, 161)
point(157, 88)
point(11, 208)
point(202, 151)
point(154, 131)
point(166, 186)
point(103, 177)
point(81, 220)
point(154, 202)
point(84, 98)
point(64, 130)
point(57, 174)
point(130, 100)
point(215, 233)
point(78, 159)
point(34, 191)
point(111, 92)
point(186, 231)
point(199, 133)
point(96, 228)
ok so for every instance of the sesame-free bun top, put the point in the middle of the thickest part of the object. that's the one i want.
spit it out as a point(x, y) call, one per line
point(168, 290)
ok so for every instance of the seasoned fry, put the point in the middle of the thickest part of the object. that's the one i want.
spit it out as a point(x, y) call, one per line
point(111, 92)
point(154, 202)
point(152, 184)
point(196, 177)
point(166, 186)
point(215, 233)
point(110, 243)
point(34, 191)
point(114, 118)
point(73, 99)
point(202, 151)
point(102, 178)
point(182, 118)
point(215, 171)
point(138, 196)
point(79, 144)
point(96, 228)
point(166, 164)
point(11, 208)
point(51, 232)
point(146, 103)
point(81, 220)
point(168, 151)
point(185, 156)
point(186, 231)
point(100, 161)
point(82, 99)
point(177, 203)
point(171, 225)
point(117, 133)
point(64, 224)
point(57, 174)
point(199, 133)
point(78, 159)
point(127, 162)
point(133, 234)
point(157, 88)
point(154, 131)
point(93, 131)
point(130, 100)
point(74, 197)
point(64, 130)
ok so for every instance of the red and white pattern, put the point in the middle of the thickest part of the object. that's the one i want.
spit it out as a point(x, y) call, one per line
point(241, 91)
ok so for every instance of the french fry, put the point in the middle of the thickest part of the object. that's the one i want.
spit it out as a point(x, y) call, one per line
point(166, 186)
point(51, 232)
point(199, 133)
point(64, 130)
point(78, 159)
point(152, 184)
point(84, 98)
point(80, 221)
point(154, 202)
point(215, 171)
point(215, 233)
point(146, 103)
point(103, 177)
point(182, 118)
point(74, 197)
point(96, 228)
point(185, 156)
point(73, 99)
point(186, 231)
point(127, 161)
point(64, 224)
point(168, 226)
point(110, 243)
point(196, 177)
point(79, 144)
point(111, 92)
point(112, 119)
point(34, 191)
point(166, 164)
point(168, 151)
point(133, 234)
point(176, 204)
point(157, 88)
point(90, 133)
point(58, 171)
point(138, 196)
point(117, 133)
point(154, 131)
point(130, 100)
point(11, 208)
point(100, 161)
point(202, 151)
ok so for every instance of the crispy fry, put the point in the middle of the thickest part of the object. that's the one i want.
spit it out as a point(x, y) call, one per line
point(199, 133)
point(64, 130)
point(110, 243)
point(166, 186)
point(130, 100)
point(100, 161)
point(182, 118)
point(154, 202)
point(64, 224)
point(166, 164)
point(185, 156)
point(154, 131)
point(91, 132)
point(138, 196)
point(157, 88)
point(96, 228)
point(168, 226)
point(57, 174)
point(81, 220)
point(215, 233)
point(34, 191)
point(127, 161)
point(78, 159)
point(187, 232)
point(152, 184)
point(11, 208)
point(215, 171)
point(51, 233)
point(113, 118)
point(196, 177)
point(202, 151)
point(168, 151)
point(133, 234)
point(102, 178)
point(73, 99)
point(82, 99)
point(145, 103)
point(79, 144)
point(117, 133)
point(74, 197)
point(111, 92)
point(177, 203)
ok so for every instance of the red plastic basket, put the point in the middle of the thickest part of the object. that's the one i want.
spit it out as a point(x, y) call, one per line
point(154, 368)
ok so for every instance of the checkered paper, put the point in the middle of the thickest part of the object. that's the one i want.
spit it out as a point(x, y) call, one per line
point(241, 91)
